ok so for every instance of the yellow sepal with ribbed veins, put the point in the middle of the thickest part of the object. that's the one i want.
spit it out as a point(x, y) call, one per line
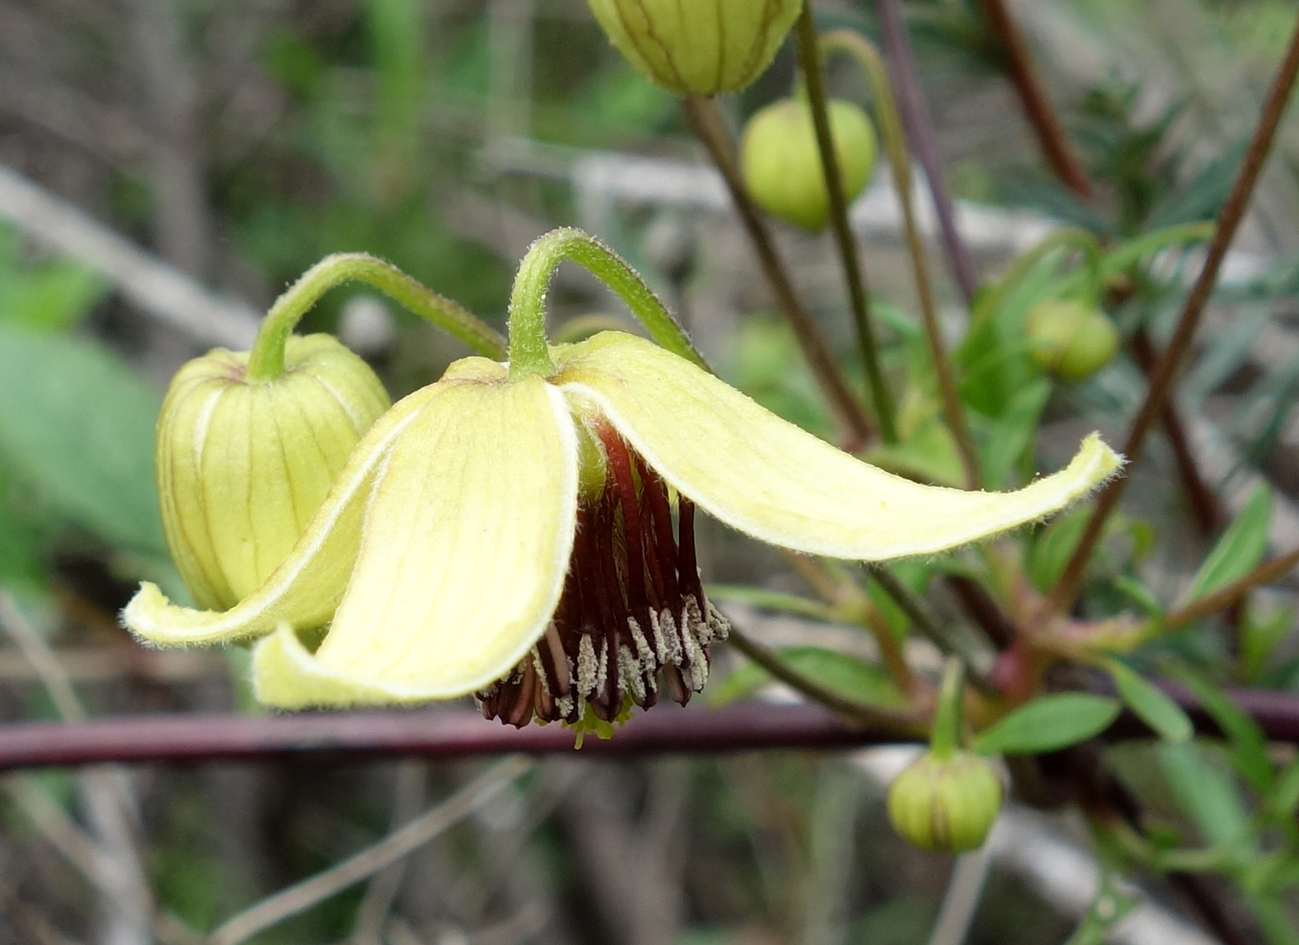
point(467, 542)
point(770, 479)
point(698, 47)
point(308, 584)
point(243, 466)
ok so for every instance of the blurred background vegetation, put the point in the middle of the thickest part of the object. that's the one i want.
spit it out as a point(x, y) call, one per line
point(240, 141)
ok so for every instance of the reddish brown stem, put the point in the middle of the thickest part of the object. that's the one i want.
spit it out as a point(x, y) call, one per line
point(708, 127)
point(1233, 593)
point(1037, 104)
point(459, 733)
point(446, 733)
point(1205, 507)
point(1167, 369)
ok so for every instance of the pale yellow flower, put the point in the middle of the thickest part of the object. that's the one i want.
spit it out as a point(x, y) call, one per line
point(514, 537)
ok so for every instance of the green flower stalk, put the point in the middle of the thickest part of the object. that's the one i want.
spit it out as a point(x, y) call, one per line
point(947, 799)
point(523, 532)
point(698, 47)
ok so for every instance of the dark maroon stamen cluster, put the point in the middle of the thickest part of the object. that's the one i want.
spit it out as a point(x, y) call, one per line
point(632, 617)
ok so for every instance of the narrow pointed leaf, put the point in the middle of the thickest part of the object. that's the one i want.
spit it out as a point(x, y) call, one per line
point(1246, 739)
point(1239, 550)
point(778, 483)
point(467, 542)
point(1049, 723)
point(850, 677)
point(1151, 704)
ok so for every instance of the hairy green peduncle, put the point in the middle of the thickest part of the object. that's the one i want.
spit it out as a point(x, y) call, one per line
point(266, 360)
point(529, 350)
point(945, 740)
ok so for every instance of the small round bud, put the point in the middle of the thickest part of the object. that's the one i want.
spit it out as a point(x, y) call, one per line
point(946, 805)
point(243, 466)
point(698, 47)
point(1070, 338)
point(782, 163)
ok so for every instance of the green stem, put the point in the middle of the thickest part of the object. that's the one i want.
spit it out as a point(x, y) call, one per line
point(901, 721)
point(266, 360)
point(945, 738)
point(926, 623)
point(813, 73)
point(772, 600)
point(529, 350)
point(1133, 251)
point(870, 61)
point(1026, 262)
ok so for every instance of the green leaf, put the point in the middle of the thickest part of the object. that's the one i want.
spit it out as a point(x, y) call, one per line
point(843, 674)
point(1150, 704)
point(1285, 795)
point(1247, 742)
point(1205, 791)
point(1049, 723)
point(1260, 633)
point(1240, 548)
point(1009, 435)
point(1053, 546)
point(1139, 594)
point(78, 426)
point(50, 295)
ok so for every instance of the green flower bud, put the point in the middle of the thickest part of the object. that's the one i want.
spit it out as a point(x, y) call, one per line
point(242, 466)
point(698, 47)
point(782, 163)
point(946, 805)
point(1070, 338)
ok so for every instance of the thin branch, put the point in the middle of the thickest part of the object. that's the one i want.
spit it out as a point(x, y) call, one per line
point(929, 625)
point(42, 660)
point(116, 867)
point(1233, 593)
point(409, 787)
point(899, 155)
point(862, 713)
point(1205, 507)
point(445, 734)
point(1066, 165)
point(302, 896)
point(709, 128)
point(809, 55)
point(1169, 366)
point(915, 115)
point(1037, 104)
point(453, 734)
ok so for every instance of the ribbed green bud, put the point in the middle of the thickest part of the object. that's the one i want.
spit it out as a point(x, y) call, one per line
point(782, 163)
point(242, 466)
point(698, 47)
point(1070, 338)
point(946, 805)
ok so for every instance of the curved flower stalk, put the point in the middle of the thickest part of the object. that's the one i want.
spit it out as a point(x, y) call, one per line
point(524, 532)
